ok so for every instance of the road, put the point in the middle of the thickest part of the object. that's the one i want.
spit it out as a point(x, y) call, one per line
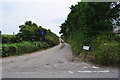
point(56, 62)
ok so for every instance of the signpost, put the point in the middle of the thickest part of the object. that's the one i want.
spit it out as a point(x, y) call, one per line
point(42, 35)
point(42, 32)
point(86, 48)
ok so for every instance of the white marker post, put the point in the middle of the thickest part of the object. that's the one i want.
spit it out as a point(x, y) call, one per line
point(86, 48)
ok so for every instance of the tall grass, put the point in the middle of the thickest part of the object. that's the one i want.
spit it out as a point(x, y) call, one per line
point(104, 49)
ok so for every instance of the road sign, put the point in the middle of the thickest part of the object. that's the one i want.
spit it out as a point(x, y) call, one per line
point(86, 47)
point(42, 32)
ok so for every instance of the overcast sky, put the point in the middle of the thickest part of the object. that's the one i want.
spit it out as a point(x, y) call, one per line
point(46, 13)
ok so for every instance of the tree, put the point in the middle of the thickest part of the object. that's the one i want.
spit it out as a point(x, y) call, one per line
point(29, 31)
point(91, 19)
point(32, 32)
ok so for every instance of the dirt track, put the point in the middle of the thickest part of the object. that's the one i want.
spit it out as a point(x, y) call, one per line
point(57, 62)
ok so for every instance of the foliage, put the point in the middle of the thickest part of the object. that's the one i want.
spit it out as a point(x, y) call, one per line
point(85, 23)
point(105, 51)
point(22, 48)
point(28, 40)
point(31, 32)
point(9, 39)
point(0, 49)
point(90, 18)
point(51, 39)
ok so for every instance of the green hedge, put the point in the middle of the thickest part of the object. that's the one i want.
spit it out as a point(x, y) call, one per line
point(0, 50)
point(9, 39)
point(22, 48)
point(52, 39)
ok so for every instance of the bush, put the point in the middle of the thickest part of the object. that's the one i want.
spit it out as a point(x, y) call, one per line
point(107, 53)
point(51, 39)
point(0, 49)
point(117, 38)
point(9, 39)
point(104, 51)
point(76, 40)
point(104, 48)
point(22, 48)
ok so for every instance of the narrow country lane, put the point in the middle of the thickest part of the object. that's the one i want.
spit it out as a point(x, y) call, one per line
point(57, 62)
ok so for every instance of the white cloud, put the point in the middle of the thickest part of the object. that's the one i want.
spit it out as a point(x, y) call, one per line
point(45, 13)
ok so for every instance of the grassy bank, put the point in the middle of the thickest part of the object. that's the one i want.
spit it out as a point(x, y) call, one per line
point(22, 48)
point(104, 50)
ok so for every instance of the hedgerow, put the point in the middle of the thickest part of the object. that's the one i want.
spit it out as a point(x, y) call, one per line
point(22, 48)
point(9, 39)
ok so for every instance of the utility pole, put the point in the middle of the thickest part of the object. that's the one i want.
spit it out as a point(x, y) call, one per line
point(13, 33)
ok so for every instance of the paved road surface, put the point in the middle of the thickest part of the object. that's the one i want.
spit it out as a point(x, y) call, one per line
point(56, 62)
